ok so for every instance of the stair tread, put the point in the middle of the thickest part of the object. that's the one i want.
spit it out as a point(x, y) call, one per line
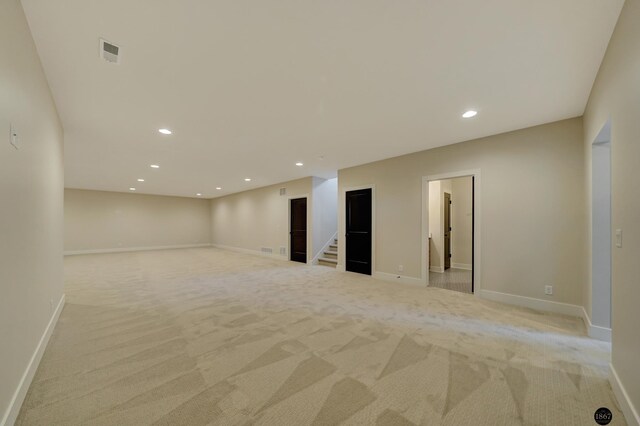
point(328, 260)
point(334, 252)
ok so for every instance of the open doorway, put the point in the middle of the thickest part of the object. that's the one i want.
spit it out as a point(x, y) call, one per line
point(601, 240)
point(450, 207)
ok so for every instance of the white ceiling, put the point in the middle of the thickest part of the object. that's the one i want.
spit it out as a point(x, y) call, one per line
point(251, 87)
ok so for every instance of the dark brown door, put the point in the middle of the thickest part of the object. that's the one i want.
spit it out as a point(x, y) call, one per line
point(473, 234)
point(358, 231)
point(447, 230)
point(298, 230)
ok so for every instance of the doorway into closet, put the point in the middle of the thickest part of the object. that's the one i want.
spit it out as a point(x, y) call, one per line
point(451, 234)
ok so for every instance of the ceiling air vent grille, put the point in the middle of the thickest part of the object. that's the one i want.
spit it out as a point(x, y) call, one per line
point(109, 52)
point(283, 191)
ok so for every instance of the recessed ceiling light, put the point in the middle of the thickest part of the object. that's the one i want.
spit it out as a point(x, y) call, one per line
point(299, 164)
point(199, 194)
point(247, 179)
point(140, 180)
point(218, 188)
point(469, 114)
point(132, 189)
point(165, 131)
point(155, 166)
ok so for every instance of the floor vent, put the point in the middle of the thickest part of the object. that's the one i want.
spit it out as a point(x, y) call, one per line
point(109, 52)
point(267, 250)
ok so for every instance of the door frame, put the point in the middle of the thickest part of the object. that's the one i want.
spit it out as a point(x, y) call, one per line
point(596, 328)
point(342, 227)
point(309, 236)
point(477, 215)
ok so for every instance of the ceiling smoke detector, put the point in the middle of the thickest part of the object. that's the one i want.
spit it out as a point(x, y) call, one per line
point(109, 51)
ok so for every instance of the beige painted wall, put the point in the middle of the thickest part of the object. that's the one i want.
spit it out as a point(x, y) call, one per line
point(461, 221)
point(31, 184)
point(100, 220)
point(259, 218)
point(616, 95)
point(532, 202)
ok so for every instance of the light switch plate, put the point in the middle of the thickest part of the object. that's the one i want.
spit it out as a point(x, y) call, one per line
point(13, 137)
point(619, 238)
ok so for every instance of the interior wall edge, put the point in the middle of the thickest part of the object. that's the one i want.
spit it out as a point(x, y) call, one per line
point(20, 393)
point(628, 408)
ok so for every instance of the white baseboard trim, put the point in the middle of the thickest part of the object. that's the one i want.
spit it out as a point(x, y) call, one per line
point(595, 331)
point(318, 255)
point(250, 251)
point(600, 333)
point(626, 405)
point(532, 303)
point(10, 416)
point(465, 266)
point(128, 249)
point(341, 268)
point(384, 276)
point(438, 269)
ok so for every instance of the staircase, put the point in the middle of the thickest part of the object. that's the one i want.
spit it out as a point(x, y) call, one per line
point(330, 257)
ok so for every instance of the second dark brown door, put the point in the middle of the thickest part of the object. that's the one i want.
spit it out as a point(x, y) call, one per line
point(358, 231)
point(447, 230)
point(298, 231)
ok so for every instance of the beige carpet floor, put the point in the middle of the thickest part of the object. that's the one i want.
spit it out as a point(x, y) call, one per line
point(210, 337)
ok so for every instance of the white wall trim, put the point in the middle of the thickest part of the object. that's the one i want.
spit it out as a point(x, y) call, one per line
point(15, 404)
point(383, 276)
point(477, 224)
point(533, 303)
point(466, 266)
point(595, 332)
point(324, 248)
point(438, 269)
point(340, 268)
point(253, 252)
point(128, 249)
point(630, 412)
point(600, 333)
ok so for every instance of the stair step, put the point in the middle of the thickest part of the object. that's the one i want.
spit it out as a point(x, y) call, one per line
point(333, 247)
point(331, 252)
point(328, 260)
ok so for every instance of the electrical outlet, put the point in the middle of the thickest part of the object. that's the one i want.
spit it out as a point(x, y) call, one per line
point(400, 268)
point(619, 238)
point(548, 290)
